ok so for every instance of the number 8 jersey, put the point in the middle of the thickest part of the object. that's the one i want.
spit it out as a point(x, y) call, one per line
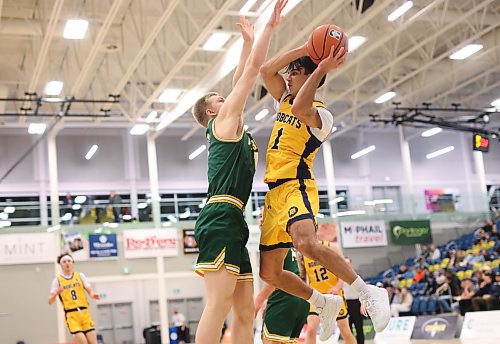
point(73, 296)
point(293, 145)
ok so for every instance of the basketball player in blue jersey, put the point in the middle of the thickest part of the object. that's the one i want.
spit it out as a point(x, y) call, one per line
point(221, 231)
point(302, 124)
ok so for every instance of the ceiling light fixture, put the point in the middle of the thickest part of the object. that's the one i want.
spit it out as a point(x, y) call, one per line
point(363, 152)
point(53, 88)
point(440, 152)
point(37, 128)
point(169, 95)
point(262, 113)
point(466, 51)
point(355, 42)
point(197, 152)
point(400, 11)
point(431, 132)
point(151, 117)
point(385, 97)
point(216, 41)
point(247, 6)
point(75, 29)
point(139, 129)
point(91, 152)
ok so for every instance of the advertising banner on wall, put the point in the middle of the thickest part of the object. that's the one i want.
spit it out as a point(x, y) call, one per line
point(76, 245)
point(440, 200)
point(189, 242)
point(410, 232)
point(103, 245)
point(481, 325)
point(435, 327)
point(150, 243)
point(398, 330)
point(363, 234)
point(27, 248)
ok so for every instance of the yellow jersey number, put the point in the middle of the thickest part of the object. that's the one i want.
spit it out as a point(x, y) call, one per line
point(277, 139)
point(321, 274)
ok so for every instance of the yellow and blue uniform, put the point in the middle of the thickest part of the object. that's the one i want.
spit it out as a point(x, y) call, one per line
point(75, 304)
point(293, 194)
point(323, 280)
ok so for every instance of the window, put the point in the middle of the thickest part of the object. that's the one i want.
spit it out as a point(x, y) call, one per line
point(389, 198)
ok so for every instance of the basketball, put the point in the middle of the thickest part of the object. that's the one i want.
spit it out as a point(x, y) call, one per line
point(322, 39)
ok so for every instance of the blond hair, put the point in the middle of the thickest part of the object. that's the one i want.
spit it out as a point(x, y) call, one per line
point(199, 109)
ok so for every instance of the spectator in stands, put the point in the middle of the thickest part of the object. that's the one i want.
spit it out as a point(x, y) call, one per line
point(476, 258)
point(477, 278)
point(494, 233)
point(483, 294)
point(410, 273)
point(114, 201)
point(419, 274)
point(67, 207)
point(435, 253)
point(465, 298)
point(401, 302)
point(453, 282)
point(431, 285)
point(420, 262)
point(494, 302)
point(488, 226)
point(458, 259)
point(424, 252)
point(402, 271)
point(486, 255)
point(443, 294)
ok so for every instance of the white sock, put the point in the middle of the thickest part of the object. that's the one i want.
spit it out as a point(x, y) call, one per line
point(317, 300)
point(359, 285)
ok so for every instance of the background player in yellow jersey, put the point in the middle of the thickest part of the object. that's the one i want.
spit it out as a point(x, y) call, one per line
point(302, 124)
point(70, 287)
point(325, 282)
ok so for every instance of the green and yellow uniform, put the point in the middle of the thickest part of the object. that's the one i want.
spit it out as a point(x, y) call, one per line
point(221, 231)
point(293, 194)
point(75, 304)
point(285, 314)
point(323, 280)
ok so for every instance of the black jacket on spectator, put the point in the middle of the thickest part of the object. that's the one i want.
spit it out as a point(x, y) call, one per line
point(485, 290)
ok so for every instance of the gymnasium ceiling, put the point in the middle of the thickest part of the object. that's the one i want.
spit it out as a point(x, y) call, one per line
point(139, 48)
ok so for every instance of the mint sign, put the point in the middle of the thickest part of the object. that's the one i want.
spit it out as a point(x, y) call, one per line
point(411, 232)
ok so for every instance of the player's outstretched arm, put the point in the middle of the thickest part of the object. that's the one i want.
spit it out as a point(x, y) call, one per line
point(229, 124)
point(302, 107)
point(247, 33)
point(270, 71)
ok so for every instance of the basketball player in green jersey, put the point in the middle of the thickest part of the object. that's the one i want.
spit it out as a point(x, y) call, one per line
point(285, 314)
point(220, 230)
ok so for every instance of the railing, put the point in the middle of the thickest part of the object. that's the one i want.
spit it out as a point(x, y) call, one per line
point(95, 210)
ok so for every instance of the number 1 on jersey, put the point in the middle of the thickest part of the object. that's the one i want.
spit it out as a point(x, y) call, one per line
point(277, 140)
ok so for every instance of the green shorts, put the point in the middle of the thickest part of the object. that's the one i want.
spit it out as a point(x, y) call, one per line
point(284, 317)
point(222, 234)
